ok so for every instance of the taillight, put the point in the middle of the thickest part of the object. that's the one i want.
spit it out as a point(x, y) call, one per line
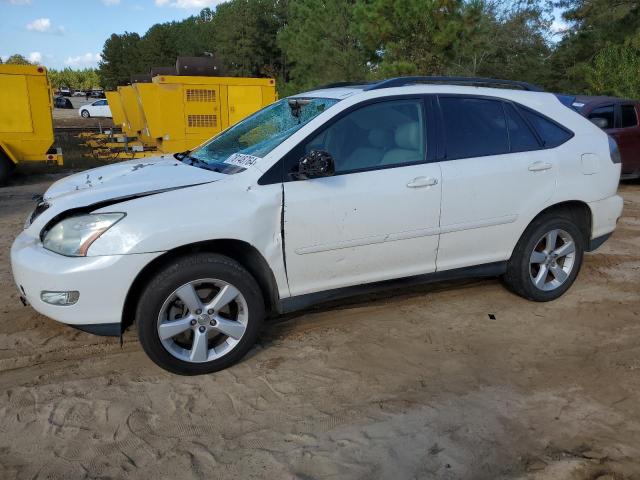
point(614, 151)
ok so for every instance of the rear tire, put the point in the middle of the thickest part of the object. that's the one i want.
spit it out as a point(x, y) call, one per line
point(547, 258)
point(192, 334)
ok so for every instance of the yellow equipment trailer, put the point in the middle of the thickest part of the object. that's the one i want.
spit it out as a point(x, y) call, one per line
point(26, 124)
point(117, 110)
point(180, 112)
point(132, 111)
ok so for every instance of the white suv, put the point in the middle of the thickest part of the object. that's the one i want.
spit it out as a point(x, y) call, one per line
point(321, 195)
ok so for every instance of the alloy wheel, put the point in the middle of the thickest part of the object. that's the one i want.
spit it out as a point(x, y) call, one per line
point(552, 260)
point(202, 320)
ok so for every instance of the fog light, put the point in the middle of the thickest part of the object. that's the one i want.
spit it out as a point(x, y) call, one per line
point(60, 298)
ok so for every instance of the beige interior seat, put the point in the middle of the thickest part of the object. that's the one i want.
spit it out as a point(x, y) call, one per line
point(379, 141)
point(409, 148)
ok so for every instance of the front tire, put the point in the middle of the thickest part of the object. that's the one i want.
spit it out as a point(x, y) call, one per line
point(85, 114)
point(200, 314)
point(547, 259)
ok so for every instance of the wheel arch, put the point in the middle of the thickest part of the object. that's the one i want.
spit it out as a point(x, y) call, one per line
point(244, 253)
point(576, 210)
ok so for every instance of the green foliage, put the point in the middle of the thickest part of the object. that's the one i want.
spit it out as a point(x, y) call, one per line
point(593, 26)
point(244, 37)
point(411, 36)
point(84, 79)
point(321, 44)
point(120, 59)
point(17, 59)
point(304, 43)
point(615, 71)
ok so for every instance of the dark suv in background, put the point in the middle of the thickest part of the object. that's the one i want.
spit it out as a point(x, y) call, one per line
point(619, 118)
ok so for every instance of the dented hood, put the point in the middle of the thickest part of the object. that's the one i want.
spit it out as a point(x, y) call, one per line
point(125, 179)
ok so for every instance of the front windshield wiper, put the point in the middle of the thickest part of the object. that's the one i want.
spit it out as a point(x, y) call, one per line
point(184, 157)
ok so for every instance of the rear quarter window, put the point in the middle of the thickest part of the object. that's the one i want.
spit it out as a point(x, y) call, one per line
point(551, 133)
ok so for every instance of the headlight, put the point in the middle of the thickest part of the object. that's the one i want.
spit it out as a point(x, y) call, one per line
point(74, 235)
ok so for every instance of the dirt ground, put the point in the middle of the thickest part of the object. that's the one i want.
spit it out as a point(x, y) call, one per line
point(418, 384)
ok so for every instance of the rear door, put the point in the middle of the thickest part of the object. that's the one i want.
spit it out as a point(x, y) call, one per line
point(494, 172)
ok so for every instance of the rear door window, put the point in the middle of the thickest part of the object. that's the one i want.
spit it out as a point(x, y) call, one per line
point(628, 116)
point(474, 127)
point(521, 137)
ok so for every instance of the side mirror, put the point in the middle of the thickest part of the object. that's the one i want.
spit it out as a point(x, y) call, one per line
point(315, 164)
point(600, 122)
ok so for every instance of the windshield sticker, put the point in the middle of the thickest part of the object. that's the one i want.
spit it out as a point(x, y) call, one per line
point(242, 160)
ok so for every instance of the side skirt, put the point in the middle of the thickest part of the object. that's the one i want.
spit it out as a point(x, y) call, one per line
point(300, 302)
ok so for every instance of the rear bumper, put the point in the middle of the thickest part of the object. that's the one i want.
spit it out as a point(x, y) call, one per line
point(596, 243)
point(604, 216)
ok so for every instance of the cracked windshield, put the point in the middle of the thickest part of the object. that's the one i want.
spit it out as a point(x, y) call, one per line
point(259, 134)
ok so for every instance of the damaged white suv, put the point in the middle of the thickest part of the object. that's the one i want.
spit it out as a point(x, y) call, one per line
point(325, 194)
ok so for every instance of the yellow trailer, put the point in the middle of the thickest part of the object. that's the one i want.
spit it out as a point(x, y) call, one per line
point(117, 111)
point(26, 123)
point(133, 116)
point(180, 112)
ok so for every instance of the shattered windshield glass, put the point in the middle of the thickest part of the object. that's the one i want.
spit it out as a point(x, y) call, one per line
point(256, 135)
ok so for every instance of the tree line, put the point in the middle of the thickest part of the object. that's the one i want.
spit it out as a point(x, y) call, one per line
point(594, 49)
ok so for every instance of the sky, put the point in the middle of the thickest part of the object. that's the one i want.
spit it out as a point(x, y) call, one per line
point(71, 33)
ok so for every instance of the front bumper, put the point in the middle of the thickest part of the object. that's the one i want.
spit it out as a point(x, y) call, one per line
point(103, 282)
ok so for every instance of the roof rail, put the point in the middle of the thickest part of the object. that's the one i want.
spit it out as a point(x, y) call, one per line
point(472, 81)
point(342, 84)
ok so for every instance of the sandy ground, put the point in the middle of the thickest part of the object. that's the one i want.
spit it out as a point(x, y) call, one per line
point(418, 384)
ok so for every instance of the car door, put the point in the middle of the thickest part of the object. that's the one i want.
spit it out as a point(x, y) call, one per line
point(377, 217)
point(495, 172)
point(102, 109)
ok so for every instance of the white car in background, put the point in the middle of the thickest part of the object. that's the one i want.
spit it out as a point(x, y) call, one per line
point(99, 108)
point(329, 193)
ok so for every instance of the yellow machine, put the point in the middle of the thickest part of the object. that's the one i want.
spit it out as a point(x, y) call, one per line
point(132, 111)
point(117, 110)
point(127, 115)
point(26, 124)
point(174, 113)
point(180, 112)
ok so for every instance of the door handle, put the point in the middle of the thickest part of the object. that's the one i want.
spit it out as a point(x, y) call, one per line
point(422, 182)
point(539, 166)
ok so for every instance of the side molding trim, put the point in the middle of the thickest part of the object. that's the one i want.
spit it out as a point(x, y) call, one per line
point(393, 237)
